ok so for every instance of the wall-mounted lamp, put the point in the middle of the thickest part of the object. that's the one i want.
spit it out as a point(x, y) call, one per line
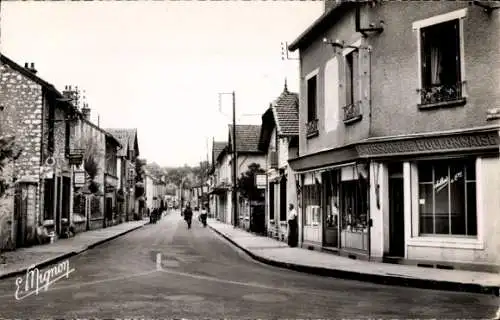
point(340, 44)
point(486, 6)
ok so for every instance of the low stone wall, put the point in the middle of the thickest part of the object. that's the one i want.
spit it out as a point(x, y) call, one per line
point(96, 223)
point(79, 226)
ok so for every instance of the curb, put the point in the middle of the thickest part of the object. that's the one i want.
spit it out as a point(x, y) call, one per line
point(66, 255)
point(373, 278)
point(95, 244)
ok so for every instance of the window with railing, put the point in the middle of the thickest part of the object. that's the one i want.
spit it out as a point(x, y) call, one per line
point(441, 82)
point(312, 121)
point(351, 109)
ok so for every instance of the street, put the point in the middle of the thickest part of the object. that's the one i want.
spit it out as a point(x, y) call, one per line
point(203, 276)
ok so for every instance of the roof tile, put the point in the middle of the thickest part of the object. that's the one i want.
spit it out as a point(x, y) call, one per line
point(126, 138)
point(286, 113)
point(247, 137)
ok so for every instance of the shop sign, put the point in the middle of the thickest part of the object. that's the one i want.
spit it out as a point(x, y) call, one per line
point(478, 141)
point(260, 181)
point(79, 178)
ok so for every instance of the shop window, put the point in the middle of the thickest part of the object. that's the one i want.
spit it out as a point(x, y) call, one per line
point(354, 205)
point(312, 196)
point(447, 198)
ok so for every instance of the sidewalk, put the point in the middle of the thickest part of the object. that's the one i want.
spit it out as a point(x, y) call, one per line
point(277, 253)
point(17, 262)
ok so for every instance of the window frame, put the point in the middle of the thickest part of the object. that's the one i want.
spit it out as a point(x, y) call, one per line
point(356, 81)
point(417, 26)
point(466, 182)
point(412, 238)
point(309, 76)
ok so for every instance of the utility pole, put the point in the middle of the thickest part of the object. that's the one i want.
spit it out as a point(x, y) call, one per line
point(235, 196)
point(208, 189)
point(234, 168)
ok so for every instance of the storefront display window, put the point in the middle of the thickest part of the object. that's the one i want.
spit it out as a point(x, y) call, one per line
point(447, 197)
point(311, 196)
point(355, 208)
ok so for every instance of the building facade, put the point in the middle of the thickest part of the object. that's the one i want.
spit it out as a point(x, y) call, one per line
point(39, 118)
point(247, 154)
point(396, 148)
point(279, 140)
point(127, 157)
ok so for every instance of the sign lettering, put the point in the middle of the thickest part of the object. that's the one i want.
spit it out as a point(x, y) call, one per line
point(422, 145)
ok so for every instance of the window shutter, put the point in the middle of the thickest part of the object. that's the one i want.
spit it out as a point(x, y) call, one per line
point(456, 27)
point(356, 77)
point(423, 57)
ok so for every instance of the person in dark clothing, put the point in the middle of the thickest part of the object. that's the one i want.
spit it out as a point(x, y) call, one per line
point(292, 227)
point(188, 215)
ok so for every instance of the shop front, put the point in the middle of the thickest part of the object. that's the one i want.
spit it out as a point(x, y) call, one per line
point(335, 206)
point(436, 199)
point(428, 200)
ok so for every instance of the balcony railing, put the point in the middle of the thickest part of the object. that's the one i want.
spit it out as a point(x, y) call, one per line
point(442, 94)
point(273, 159)
point(352, 113)
point(312, 128)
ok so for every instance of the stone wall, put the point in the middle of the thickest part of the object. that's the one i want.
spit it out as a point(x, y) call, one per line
point(6, 210)
point(21, 99)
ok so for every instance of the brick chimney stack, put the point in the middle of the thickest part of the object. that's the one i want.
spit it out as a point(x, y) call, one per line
point(30, 68)
point(86, 111)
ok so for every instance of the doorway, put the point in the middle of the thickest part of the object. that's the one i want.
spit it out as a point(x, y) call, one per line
point(396, 211)
point(59, 208)
point(108, 221)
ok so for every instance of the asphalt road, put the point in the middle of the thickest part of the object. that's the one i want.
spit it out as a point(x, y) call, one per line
point(203, 276)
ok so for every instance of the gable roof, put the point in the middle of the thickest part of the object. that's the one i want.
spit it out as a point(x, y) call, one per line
point(53, 93)
point(56, 95)
point(30, 75)
point(286, 113)
point(283, 113)
point(217, 148)
point(128, 138)
point(247, 138)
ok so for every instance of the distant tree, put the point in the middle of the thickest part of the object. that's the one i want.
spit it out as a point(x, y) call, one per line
point(92, 157)
point(140, 165)
point(156, 170)
point(246, 182)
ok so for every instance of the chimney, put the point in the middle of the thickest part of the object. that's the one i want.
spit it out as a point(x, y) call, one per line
point(86, 112)
point(30, 68)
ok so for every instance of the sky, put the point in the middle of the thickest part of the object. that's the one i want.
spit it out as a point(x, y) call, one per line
point(159, 66)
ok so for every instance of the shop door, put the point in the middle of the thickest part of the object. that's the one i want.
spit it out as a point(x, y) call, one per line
point(58, 190)
point(331, 211)
point(66, 194)
point(21, 214)
point(396, 212)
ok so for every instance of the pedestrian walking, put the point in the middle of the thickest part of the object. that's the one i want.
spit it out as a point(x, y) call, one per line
point(203, 216)
point(293, 233)
point(188, 215)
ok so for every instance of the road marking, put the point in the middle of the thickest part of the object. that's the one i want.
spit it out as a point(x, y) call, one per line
point(158, 261)
point(246, 284)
